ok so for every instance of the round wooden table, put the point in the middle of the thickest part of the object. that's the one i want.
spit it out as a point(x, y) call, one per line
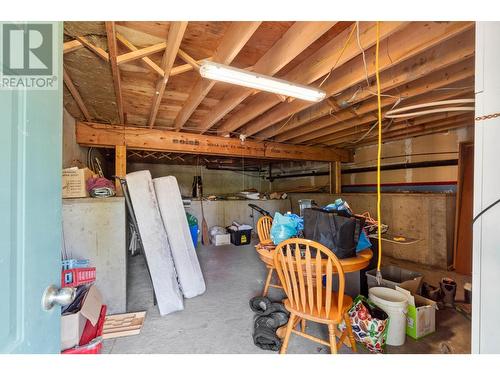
point(354, 264)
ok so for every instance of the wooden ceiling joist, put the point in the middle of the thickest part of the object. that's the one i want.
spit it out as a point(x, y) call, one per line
point(313, 68)
point(113, 52)
point(297, 38)
point(174, 38)
point(97, 50)
point(104, 135)
point(436, 58)
point(233, 41)
point(76, 95)
point(455, 122)
point(359, 132)
point(413, 39)
point(323, 127)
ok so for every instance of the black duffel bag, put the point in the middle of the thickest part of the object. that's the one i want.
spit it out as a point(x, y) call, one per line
point(333, 229)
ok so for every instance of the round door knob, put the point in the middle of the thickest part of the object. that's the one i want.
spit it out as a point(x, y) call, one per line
point(57, 296)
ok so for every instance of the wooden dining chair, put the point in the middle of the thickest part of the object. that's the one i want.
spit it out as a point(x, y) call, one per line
point(264, 225)
point(265, 248)
point(302, 265)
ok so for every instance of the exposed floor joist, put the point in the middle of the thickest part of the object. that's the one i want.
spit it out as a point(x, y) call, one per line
point(234, 40)
point(293, 42)
point(175, 35)
point(76, 95)
point(113, 53)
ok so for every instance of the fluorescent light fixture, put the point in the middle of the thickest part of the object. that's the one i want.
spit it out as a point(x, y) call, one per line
point(241, 77)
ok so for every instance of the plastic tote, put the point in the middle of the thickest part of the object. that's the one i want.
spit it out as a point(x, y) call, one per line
point(395, 304)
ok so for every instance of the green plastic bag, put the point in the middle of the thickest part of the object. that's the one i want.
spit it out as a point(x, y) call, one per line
point(192, 220)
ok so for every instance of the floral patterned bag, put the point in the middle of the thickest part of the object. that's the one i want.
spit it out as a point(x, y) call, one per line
point(369, 324)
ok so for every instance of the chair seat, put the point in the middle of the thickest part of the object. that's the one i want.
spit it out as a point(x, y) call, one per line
point(321, 317)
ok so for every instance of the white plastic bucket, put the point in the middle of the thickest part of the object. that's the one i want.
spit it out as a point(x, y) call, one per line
point(395, 304)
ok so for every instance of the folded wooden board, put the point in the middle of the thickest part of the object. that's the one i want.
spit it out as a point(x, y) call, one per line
point(121, 325)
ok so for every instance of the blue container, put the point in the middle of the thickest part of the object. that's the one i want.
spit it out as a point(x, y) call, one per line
point(194, 234)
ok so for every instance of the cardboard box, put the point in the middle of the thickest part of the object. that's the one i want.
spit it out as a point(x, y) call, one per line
point(421, 316)
point(221, 239)
point(74, 182)
point(72, 325)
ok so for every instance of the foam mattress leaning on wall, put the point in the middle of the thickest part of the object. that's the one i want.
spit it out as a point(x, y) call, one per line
point(179, 236)
point(155, 242)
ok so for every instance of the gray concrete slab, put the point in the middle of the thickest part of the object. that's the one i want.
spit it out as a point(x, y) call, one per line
point(220, 321)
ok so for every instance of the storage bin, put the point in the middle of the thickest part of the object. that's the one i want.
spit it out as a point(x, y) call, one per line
point(240, 237)
point(393, 275)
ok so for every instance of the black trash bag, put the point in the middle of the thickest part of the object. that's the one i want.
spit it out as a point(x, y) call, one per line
point(334, 229)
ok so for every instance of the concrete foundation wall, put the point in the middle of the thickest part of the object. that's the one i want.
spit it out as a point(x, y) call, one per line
point(94, 229)
point(223, 213)
point(214, 181)
point(428, 217)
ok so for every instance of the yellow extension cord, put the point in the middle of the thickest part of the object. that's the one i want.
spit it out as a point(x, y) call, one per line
point(379, 155)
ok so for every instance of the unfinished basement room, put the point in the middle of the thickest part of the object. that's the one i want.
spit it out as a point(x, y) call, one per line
point(250, 187)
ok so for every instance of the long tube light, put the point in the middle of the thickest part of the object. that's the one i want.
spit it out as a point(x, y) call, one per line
point(241, 77)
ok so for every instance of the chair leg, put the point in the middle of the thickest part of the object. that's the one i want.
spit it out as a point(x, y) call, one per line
point(303, 326)
point(268, 281)
point(289, 327)
point(333, 338)
point(348, 326)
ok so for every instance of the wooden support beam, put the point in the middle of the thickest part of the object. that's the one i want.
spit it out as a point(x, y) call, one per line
point(120, 167)
point(438, 57)
point(140, 53)
point(76, 95)
point(113, 52)
point(311, 69)
point(414, 39)
point(71, 46)
point(174, 38)
point(104, 135)
point(233, 41)
point(298, 37)
point(338, 177)
point(152, 65)
point(97, 50)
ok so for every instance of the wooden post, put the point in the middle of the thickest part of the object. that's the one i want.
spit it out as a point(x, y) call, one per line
point(120, 166)
point(335, 178)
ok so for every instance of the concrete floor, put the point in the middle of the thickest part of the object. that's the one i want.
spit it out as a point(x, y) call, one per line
point(220, 321)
